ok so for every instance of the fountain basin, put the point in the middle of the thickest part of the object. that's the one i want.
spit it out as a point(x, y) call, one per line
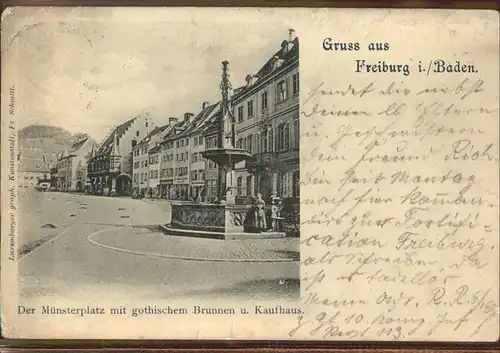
point(227, 156)
point(216, 221)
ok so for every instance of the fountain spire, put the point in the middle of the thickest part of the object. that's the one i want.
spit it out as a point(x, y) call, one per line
point(225, 155)
point(226, 123)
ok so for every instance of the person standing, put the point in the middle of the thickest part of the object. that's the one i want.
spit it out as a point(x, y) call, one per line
point(260, 206)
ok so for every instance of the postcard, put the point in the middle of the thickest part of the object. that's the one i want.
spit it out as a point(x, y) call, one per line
point(250, 174)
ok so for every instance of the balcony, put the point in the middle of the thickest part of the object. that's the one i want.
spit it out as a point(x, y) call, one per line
point(103, 165)
point(270, 159)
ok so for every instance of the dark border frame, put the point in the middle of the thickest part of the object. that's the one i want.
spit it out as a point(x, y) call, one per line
point(255, 346)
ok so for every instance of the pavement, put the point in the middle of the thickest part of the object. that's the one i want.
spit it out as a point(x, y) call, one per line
point(147, 242)
point(78, 246)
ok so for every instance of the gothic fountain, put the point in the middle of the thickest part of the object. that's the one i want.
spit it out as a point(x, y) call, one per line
point(223, 219)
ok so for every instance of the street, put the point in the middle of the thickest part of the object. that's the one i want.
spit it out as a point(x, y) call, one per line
point(80, 246)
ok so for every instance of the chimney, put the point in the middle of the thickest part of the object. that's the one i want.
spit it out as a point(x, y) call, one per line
point(204, 105)
point(172, 120)
point(187, 116)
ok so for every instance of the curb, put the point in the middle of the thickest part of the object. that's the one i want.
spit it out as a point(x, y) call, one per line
point(176, 257)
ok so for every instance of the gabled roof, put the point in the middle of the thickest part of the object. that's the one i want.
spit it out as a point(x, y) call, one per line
point(118, 131)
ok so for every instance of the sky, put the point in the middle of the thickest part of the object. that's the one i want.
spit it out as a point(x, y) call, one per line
point(89, 76)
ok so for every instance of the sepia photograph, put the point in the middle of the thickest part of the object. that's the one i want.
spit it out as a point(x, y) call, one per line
point(149, 165)
point(171, 173)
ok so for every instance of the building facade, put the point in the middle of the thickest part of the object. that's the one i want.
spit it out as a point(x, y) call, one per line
point(72, 166)
point(210, 136)
point(167, 161)
point(29, 177)
point(110, 167)
point(181, 182)
point(197, 163)
point(267, 124)
point(141, 161)
point(154, 170)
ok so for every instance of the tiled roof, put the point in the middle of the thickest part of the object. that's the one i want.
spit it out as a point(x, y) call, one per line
point(200, 119)
point(77, 145)
point(119, 131)
point(212, 121)
point(155, 149)
point(172, 134)
point(288, 56)
point(157, 130)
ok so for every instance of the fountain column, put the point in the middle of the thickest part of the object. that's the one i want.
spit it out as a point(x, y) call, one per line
point(225, 140)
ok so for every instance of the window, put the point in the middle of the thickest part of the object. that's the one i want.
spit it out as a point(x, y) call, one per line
point(286, 132)
point(295, 83)
point(281, 136)
point(249, 185)
point(249, 143)
point(200, 140)
point(211, 142)
point(272, 140)
point(137, 133)
point(282, 184)
point(264, 142)
point(177, 143)
point(296, 133)
point(250, 108)
point(195, 142)
point(240, 113)
point(239, 186)
point(281, 90)
point(182, 143)
point(263, 100)
point(187, 142)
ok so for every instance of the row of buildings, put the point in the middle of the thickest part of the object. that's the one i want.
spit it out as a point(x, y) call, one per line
point(141, 159)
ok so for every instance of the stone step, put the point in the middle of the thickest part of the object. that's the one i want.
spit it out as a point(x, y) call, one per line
point(166, 229)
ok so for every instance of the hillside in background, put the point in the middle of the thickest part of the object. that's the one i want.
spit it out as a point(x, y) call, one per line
point(35, 141)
